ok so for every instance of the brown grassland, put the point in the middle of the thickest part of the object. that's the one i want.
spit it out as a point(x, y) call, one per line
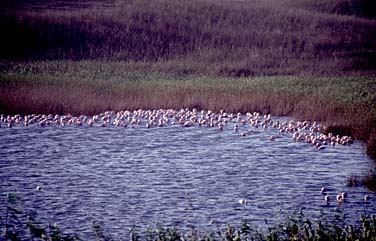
point(313, 60)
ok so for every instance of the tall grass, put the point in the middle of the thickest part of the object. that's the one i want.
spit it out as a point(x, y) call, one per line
point(123, 85)
point(360, 8)
point(237, 38)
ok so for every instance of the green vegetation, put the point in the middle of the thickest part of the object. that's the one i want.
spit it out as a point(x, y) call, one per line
point(121, 85)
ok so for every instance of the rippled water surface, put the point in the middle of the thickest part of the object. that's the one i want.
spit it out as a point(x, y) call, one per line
point(173, 175)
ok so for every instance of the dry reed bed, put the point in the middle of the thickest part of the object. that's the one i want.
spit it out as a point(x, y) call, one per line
point(217, 37)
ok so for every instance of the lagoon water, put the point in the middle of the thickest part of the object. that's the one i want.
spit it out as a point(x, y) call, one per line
point(186, 177)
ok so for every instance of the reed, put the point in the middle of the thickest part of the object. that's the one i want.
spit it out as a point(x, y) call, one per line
point(361, 8)
point(233, 39)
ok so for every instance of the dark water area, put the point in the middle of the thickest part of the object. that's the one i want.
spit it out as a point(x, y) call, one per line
point(185, 177)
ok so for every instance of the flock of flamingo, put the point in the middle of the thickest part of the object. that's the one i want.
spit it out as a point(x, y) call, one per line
point(302, 131)
point(340, 198)
point(243, 124)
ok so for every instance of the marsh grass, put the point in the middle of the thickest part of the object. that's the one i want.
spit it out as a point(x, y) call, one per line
point(230, 39)
point(368, 179)
point(361, 8)
point(133, 85)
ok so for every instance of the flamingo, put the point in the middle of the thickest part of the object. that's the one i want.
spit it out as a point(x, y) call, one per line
point(323, 190)
point(339, 198)
point(343, 196)
point(243, 201)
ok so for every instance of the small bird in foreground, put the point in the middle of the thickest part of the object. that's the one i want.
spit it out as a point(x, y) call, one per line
point(323, 190)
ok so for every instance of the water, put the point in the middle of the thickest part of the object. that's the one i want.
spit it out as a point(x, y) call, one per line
point(186, 177)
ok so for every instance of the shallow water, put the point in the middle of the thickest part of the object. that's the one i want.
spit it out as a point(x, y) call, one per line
point(186, 177)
